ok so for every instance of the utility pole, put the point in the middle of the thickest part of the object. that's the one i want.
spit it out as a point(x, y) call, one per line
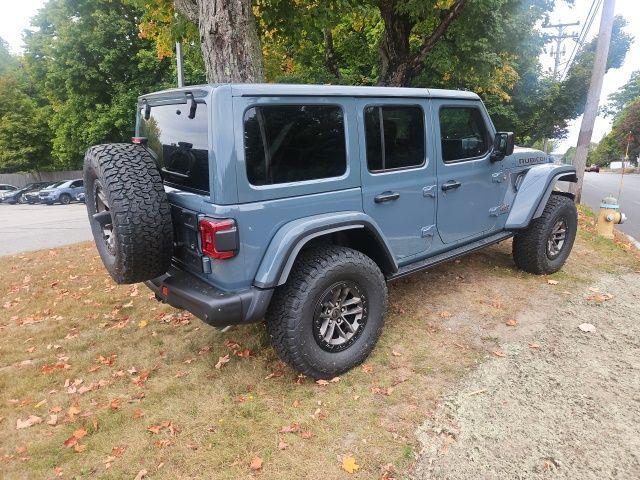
point(593, 97)
point(558, 52)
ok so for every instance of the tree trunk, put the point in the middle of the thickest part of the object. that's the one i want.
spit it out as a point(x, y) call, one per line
point(395, 54)
point(330, 61)
point(228, 38)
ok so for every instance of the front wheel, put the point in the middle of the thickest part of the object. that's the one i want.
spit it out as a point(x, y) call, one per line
point(329, 315)
point(65, 199)
point(545, 245)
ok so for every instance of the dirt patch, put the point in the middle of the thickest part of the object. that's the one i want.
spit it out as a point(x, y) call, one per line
point(561, 402)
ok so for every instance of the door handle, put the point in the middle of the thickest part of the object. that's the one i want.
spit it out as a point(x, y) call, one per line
point(386, 197)
point(451, 184)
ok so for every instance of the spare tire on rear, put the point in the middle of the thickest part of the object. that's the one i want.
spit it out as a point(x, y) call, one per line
point(128, 211)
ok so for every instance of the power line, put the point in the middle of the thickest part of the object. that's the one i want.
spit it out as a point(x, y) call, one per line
point(586, 26)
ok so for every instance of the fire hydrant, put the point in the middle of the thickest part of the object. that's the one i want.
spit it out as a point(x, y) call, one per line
point(609, 216)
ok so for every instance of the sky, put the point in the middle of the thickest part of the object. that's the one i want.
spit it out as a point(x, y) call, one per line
point(16, 14)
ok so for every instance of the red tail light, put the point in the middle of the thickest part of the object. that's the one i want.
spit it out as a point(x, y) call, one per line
point(219, 238)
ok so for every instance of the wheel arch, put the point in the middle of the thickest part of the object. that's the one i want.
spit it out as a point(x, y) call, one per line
point(351, 229)
point(534, 192)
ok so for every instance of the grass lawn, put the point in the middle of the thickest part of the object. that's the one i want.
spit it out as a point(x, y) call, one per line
point(105, 382)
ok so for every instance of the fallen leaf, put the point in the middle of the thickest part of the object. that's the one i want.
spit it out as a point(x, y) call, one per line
point(349, 464)
point(137, 413)
point(366, 368)
point(512, 322)
point(294, 427)
point(79, 448)
point(295, 404)
point(306, 435)
point(282, 445)
point(55, 409)
point(445, 314)
point(600, 297)
point(30, 421)
point(552, 282)
point(256, 463)
point(80, 433)
point(222, 360)
point(70, 442)
point(499, 353)
point(396, 354)
point(143, 323)
point(322, 383)
point(534, 345)
point(53, 420)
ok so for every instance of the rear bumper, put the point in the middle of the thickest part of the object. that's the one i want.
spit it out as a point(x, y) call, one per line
point(213, 306)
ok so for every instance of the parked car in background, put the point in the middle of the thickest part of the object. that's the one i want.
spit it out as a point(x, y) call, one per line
point(34, 196)
point(64, 192)
point(592, 168)
point(6, 188)
point(18, 196)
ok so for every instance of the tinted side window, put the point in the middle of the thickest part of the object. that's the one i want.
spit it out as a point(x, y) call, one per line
point(180, 143)
point(292, 143)
point(463, 133)
point(394, 137)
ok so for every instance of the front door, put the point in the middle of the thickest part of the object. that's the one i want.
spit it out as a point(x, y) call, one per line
point(471, 187)
point(398, 175)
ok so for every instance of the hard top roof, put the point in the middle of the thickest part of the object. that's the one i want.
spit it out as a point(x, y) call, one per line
point(280, 89)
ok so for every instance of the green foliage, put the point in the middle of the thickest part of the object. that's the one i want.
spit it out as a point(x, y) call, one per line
point(24, 132)
point(628, 93)
point(89, 64)
point(613, 146)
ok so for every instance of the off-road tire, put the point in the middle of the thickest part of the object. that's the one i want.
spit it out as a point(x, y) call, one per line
point(142, 232)
point(530, 245)
point(65, 199)
point(291, 312)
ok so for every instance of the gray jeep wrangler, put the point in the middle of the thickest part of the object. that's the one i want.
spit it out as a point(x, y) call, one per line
point(296, 204)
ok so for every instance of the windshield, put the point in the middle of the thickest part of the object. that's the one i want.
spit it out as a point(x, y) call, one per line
point(180, 143)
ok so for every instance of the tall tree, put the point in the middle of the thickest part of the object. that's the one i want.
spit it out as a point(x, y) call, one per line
point(629, 92)
point(89, 63)
point(613, 146)
point(25, 139)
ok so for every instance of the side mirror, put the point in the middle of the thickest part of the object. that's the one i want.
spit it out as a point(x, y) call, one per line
point(503, 145)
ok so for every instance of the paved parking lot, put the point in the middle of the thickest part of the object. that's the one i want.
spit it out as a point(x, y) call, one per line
point(33, 227)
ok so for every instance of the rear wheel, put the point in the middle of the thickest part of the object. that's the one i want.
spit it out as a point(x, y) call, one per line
point(546, 244)
point(128, 211)
point(329, 315)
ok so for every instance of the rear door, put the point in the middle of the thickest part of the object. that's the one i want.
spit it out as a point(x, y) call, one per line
point(398, 176)
point(470, 187)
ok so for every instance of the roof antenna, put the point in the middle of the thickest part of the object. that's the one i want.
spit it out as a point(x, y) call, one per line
point(180, 65)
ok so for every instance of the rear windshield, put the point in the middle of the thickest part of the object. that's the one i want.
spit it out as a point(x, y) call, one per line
point(180, 143)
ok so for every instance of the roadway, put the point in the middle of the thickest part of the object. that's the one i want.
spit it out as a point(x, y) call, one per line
point(34, 227)
point(599, 185)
